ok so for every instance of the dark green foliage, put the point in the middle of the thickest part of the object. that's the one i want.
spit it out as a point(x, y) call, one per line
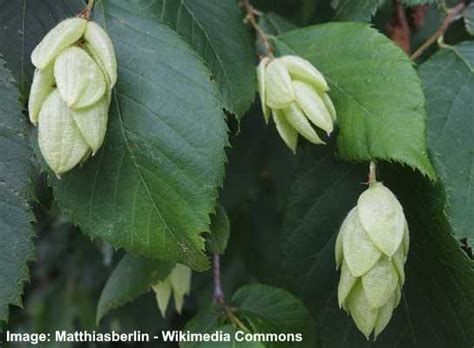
point(179, 178)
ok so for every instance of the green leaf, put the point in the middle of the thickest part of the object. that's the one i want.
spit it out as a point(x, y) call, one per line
point(274, 310)
point(212, 321)
point(265, 309)
point(16, 232)
point(152, 186)
point(377, 93)
point(356, 10)
point(468, 15)
point(448, 79)
point(215, 29)
point(220, 231)
point(132, 277)
point(24, 23)
point(437, 303)
point(274, 24)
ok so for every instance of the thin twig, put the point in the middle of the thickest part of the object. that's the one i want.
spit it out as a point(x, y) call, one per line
point(218, 293)
point(251, 18)
point(452, 15)
point(234, 319)
point(372, 173)
point(86, 12)
point(399, 28)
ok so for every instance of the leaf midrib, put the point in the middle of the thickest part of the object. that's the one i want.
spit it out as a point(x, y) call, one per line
point(132, 156)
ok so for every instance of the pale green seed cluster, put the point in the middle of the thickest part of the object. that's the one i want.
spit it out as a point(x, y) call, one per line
point(76, 70)
point(371, 251)
point(295, 93)
point(177, 283)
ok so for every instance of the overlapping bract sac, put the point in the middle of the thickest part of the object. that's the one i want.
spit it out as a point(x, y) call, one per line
point(294, 92)
point(178, 284)
point(76, 69)
point(371, 251)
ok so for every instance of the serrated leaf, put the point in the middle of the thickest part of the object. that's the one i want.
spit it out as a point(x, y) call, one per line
point(468, 15)
point(215, 29)
point(220, 231)
point(23, 40)
point(440, 277)
point(356, 10)
point(274, 310)
point(132, 277)
point(448, 79)
point(151, 187)
point(377, 93)
point(16, 232)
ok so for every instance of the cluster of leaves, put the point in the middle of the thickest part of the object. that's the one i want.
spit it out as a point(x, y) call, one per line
point(186, 81)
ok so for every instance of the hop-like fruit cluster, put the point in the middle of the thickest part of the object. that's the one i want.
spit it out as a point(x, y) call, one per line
point(177, 283)
point(295, 93)
point(371, 251)
point(70, 95)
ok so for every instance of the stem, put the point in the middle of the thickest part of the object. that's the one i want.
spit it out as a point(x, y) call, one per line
point(86, 12)
point(452, 15)
point(234, 319)
point(372, 173)
point(218, 296)
point(251, 18)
